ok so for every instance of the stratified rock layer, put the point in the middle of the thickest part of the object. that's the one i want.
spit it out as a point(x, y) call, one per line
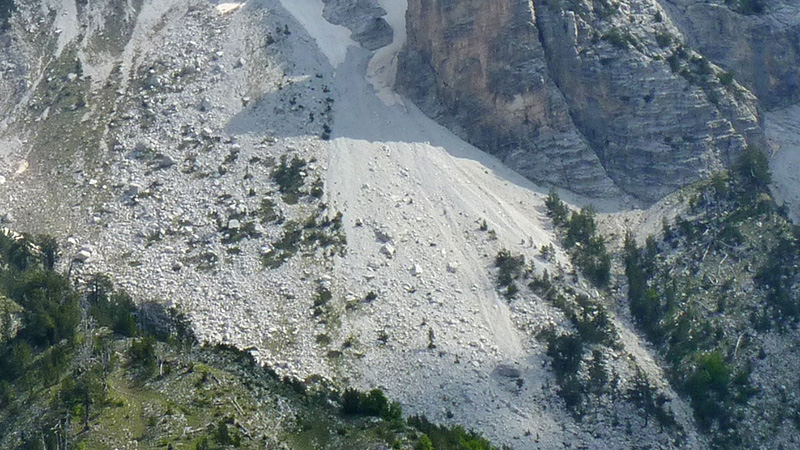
point(593, 96)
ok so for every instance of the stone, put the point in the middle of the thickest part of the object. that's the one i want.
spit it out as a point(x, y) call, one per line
point(131, 192)
point(382, 235)
point(205, 105)
point(388, 250)
point(452, 267)
point(507, 371)
point(165, 162)
point(82, 256)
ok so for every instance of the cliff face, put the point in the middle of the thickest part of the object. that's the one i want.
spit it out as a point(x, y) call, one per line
point(758, 41)
point(578, 93)
point(480, 69)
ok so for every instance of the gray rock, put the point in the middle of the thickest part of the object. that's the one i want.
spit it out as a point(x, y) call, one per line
point(507, 371)
point(165, 162)
point(388, 250)
point(364, 18)
point(131, 192)
point(83, 255)
point(560, 103)
point(205, 105)
point(452, 267)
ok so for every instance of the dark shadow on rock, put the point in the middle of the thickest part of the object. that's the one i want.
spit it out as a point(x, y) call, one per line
point(361, 115)
point(301, 104)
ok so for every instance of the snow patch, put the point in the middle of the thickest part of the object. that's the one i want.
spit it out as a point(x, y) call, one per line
point(333, 40)
point(382, 68)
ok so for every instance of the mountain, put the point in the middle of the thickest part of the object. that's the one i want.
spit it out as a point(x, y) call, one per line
point(390, 194)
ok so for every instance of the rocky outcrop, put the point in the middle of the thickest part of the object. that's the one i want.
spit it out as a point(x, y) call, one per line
point(480, 69)
point(757, 41)
point(364, 18)
point(578, 92)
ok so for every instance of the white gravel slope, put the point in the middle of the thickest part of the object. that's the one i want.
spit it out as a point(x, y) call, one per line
point(406, 177)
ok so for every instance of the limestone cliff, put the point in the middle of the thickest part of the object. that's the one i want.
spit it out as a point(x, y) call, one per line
point(578, 93)
point(480, 69)
point(756, 40)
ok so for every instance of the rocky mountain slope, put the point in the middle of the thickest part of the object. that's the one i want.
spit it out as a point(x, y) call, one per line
point(600, 96)
point(252, 165)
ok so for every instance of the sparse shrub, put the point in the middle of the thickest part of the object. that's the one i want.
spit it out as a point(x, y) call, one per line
point(223, 436)
point(581, 227)
point(708, 388)
point(424, 443)
point(725, 78)
point(620, 39)
point(52, 309)
point(556, 209)
point(6, 394)
point(747, 7)
point(649, 401)
point(663, 39)
point(289, 176)
point(443, 438)
point(752, 169)
point(111, 309)
point(268, 212)
point(15, 359)
point(142, 355)
point(510, 267)
point(374, 403)
point(566, 351)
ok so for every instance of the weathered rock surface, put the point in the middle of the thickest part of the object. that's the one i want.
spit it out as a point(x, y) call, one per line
point(578, 93)
point(758, 44)
point(479, 69)
point(364, 18)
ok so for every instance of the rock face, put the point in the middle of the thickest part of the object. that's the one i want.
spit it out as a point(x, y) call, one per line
point(595, 96)
point(756, 40)
point(364, 18)
point(479, 69)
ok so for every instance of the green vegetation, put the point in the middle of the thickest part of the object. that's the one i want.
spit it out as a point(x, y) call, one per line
point(588, 249)
point(290, 177)
point(663, 39)
point(619, 38)
point(373, 403)
point(688, 294)
point(326, 233)
point(91, 369)
point(509, 269)
point(440, 437)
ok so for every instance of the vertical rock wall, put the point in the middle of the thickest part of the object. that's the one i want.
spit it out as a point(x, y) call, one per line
point(595, 95)
point(479, 68)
